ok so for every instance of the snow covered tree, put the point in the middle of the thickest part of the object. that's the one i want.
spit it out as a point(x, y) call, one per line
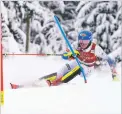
point(14, 17)
point(100, 17)
point(66, 14)
point(116, 37)
point(103, 18)
point(65, 10)
point(116, 54)
point(8, 41)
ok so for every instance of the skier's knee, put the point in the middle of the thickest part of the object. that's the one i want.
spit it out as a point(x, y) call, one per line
point(71, 74)
point(68, 67)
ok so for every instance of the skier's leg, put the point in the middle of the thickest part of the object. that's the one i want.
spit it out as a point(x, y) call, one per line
point(36, 83)
point(50, 77)
point(67, 72)
point(42, 81)
point(66, 68)
point(63, 75)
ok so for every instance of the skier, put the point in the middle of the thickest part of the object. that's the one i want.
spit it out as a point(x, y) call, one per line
point(88, 53)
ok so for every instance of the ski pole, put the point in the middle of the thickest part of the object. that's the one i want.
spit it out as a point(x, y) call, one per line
point(71, 49)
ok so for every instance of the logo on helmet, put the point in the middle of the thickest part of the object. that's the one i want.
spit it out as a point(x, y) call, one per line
point(82, 34)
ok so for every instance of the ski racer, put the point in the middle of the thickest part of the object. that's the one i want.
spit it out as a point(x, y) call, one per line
point(88, 53)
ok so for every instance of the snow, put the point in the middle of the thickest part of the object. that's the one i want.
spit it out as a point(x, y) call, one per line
point(92, 16)
point(86, 9)
point(9, 44)
point(99, 96)
point(5, 12)
point(116, 53)
point(82, 3)
point(100, 28)
point(65, 100)
point(116, 39)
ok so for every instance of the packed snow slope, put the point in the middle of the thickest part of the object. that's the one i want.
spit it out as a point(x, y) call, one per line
point(99, 96)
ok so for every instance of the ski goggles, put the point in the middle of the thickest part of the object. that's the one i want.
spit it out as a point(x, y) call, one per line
point(84, 41)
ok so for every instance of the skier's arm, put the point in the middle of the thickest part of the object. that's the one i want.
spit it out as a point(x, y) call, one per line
point(68, 54)
point(103, 56)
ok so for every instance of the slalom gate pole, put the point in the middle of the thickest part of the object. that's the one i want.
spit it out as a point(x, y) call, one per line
point(71, 49)
point(1, 68)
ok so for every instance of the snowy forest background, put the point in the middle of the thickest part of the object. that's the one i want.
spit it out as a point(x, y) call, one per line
point(29, 27)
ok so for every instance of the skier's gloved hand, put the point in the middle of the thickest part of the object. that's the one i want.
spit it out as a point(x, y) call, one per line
point(69, 55)
point(114, 74)
point(65, 56)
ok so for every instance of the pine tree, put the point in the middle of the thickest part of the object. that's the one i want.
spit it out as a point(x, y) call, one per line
point(8, 42)
point(116, 38)
point(101, 19)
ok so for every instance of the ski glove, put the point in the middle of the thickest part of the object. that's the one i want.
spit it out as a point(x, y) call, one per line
point(69, 55)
